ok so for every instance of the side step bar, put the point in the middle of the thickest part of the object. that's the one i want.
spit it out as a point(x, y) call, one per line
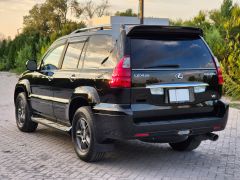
point(51, 124)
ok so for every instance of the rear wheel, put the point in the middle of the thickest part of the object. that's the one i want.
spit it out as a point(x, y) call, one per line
point(23, 114)
point(84, 136)
point(188, 145)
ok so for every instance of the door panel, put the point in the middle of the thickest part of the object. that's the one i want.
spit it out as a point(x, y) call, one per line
point(62, 92)
point(42, 93)
point(64, 88)
point(65, 79)
point(41, 83)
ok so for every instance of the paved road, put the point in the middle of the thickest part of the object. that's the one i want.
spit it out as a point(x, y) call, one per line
point(48, 154)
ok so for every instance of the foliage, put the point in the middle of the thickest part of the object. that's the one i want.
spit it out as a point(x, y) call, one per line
point(128, 12)
point(22, 55)
point(44, 24)
point(51, 16)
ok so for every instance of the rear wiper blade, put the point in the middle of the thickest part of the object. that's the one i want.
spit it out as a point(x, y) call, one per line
point(104, 60)
point(164, 66)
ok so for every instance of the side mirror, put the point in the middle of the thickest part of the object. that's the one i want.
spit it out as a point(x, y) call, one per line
point(31, 65)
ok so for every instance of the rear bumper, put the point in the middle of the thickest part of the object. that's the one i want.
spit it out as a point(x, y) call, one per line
point(117, 122)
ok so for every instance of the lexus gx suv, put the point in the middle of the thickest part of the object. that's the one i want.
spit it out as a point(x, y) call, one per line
point(157, 84)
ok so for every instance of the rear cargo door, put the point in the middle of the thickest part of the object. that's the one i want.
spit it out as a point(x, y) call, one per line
point(172, 71)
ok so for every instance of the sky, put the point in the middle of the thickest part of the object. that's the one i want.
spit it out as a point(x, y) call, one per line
point(12, 11)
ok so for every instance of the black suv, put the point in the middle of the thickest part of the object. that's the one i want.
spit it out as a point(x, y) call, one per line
point(152, 83)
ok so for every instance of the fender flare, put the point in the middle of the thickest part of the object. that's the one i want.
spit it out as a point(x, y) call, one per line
point(22, 84)
point(87, 92)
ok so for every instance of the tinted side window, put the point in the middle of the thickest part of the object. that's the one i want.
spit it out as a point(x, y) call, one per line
point(50, 62)
point(72, 55)
point(99, 47)
point(185, 53)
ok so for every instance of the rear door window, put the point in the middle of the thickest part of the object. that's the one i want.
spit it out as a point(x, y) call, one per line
point(163, 53)
point(99, 47)
point(72, 55)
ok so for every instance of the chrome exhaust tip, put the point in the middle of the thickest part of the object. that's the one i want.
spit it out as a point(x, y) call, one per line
point(212, 136)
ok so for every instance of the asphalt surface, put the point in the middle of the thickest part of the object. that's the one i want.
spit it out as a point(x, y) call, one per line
point(49, 154)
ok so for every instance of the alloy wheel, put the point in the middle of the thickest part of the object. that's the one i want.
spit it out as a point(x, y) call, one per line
point(20, 111)
point(83, 135)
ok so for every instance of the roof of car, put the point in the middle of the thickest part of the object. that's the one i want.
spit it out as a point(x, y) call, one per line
point(133, 30)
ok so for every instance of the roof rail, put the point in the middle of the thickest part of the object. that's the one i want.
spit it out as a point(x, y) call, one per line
point(105, 27)
point(132, 24)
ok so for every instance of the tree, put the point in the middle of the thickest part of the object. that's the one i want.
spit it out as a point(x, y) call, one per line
point(91, 9)
point(102, 8)
point(77, 8)
point(128, 12)
point(50, 16)
point(37, 20)
point(232, 25)
point(226, 8)
point(219, 17)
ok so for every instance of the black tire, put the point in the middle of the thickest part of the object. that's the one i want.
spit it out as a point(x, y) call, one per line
point(84, 135)
point(23, 114)
point(188, 145)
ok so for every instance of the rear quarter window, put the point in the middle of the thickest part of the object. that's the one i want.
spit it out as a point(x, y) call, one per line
point(184, 53)
point(98, 48)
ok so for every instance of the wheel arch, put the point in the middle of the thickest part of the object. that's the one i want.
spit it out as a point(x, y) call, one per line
point(82, 96)
point(22, 86)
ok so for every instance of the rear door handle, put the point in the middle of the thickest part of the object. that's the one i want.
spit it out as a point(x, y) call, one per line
point(73, 78)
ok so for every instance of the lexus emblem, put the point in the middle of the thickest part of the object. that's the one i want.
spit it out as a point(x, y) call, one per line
point(179, 76)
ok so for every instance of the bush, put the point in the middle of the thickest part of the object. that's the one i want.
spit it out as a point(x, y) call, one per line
point(215, 42)
point(23, 55)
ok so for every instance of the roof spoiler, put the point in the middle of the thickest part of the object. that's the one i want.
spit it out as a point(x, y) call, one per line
point(146, 30)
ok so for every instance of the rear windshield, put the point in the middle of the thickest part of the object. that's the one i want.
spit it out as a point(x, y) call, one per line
point(170, 53)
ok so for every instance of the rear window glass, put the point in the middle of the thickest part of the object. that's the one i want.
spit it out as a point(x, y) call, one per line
point(179, 53)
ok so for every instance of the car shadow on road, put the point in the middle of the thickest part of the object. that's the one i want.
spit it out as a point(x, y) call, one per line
point(135, 154)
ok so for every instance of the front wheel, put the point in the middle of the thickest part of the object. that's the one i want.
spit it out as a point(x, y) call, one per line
point(84, 135)
point(23, 114)
point(188, 145)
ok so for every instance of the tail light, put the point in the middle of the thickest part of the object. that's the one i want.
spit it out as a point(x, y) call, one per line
point(220, 76)
point(121, 76)
point(219, 72)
